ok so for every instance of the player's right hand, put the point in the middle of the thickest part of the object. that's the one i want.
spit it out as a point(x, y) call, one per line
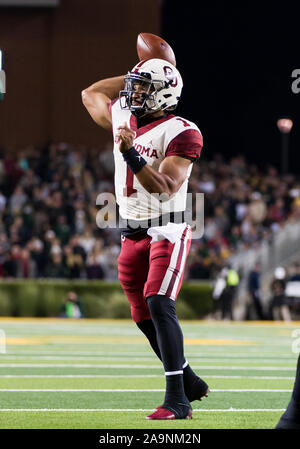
point(125, 137)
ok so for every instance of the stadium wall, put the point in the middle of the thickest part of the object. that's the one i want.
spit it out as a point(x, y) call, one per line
point(50, 55)
point(101, 299)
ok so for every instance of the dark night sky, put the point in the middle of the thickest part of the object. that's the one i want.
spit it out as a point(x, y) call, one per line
point(236, 64)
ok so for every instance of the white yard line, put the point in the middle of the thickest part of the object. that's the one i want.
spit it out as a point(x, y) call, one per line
point(85, 365)
point(144, 358)
point(139, 376)
point(131, 410)
point(259, 354)
point(79, 390)
point(131, 390)
point(242, 390)
point(84, 376)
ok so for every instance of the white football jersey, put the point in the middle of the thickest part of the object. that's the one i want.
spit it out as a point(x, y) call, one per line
point(168, 136)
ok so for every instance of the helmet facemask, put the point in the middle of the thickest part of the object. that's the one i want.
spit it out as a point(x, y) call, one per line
point(147, 95)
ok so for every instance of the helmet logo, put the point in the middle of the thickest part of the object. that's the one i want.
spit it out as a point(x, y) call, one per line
point(170, 76)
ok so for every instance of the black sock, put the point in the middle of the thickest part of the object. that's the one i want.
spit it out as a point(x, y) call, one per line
point(170, 342)
point(188, 374)
point(174, 387)
point(194, 386)
point(174, 401)
point(148, 329)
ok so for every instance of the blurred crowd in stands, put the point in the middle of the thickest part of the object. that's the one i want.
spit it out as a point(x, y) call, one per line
point(243, 206)
point(48, 212)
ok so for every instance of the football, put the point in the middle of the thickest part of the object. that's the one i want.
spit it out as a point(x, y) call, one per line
point(150, 46)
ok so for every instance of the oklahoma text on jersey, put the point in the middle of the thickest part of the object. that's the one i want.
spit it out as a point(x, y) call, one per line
point(168, 136)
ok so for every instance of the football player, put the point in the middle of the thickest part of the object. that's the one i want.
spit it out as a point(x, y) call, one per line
point(154, 151)
point(291, 417)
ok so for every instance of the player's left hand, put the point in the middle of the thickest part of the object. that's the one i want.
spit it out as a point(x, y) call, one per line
point(125, 137)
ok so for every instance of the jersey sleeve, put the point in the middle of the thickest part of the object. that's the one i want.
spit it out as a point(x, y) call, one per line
point(187, 144)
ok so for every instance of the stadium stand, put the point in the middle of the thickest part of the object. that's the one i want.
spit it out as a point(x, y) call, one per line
point(48, 212)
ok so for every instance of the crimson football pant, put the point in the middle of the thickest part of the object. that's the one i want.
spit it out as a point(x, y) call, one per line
point(151, 269)
point(155, 270)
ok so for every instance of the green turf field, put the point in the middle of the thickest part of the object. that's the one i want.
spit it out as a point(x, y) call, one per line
point(101, 374)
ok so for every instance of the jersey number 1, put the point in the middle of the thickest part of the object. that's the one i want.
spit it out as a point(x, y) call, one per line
point(129, 190)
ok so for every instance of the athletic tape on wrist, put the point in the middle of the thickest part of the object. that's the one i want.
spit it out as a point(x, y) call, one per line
point(134, 160)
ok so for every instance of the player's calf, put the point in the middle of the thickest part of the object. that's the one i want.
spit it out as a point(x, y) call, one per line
point(195, 388)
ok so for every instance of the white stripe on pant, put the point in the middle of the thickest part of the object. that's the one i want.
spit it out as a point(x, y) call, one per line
point(172, 266)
